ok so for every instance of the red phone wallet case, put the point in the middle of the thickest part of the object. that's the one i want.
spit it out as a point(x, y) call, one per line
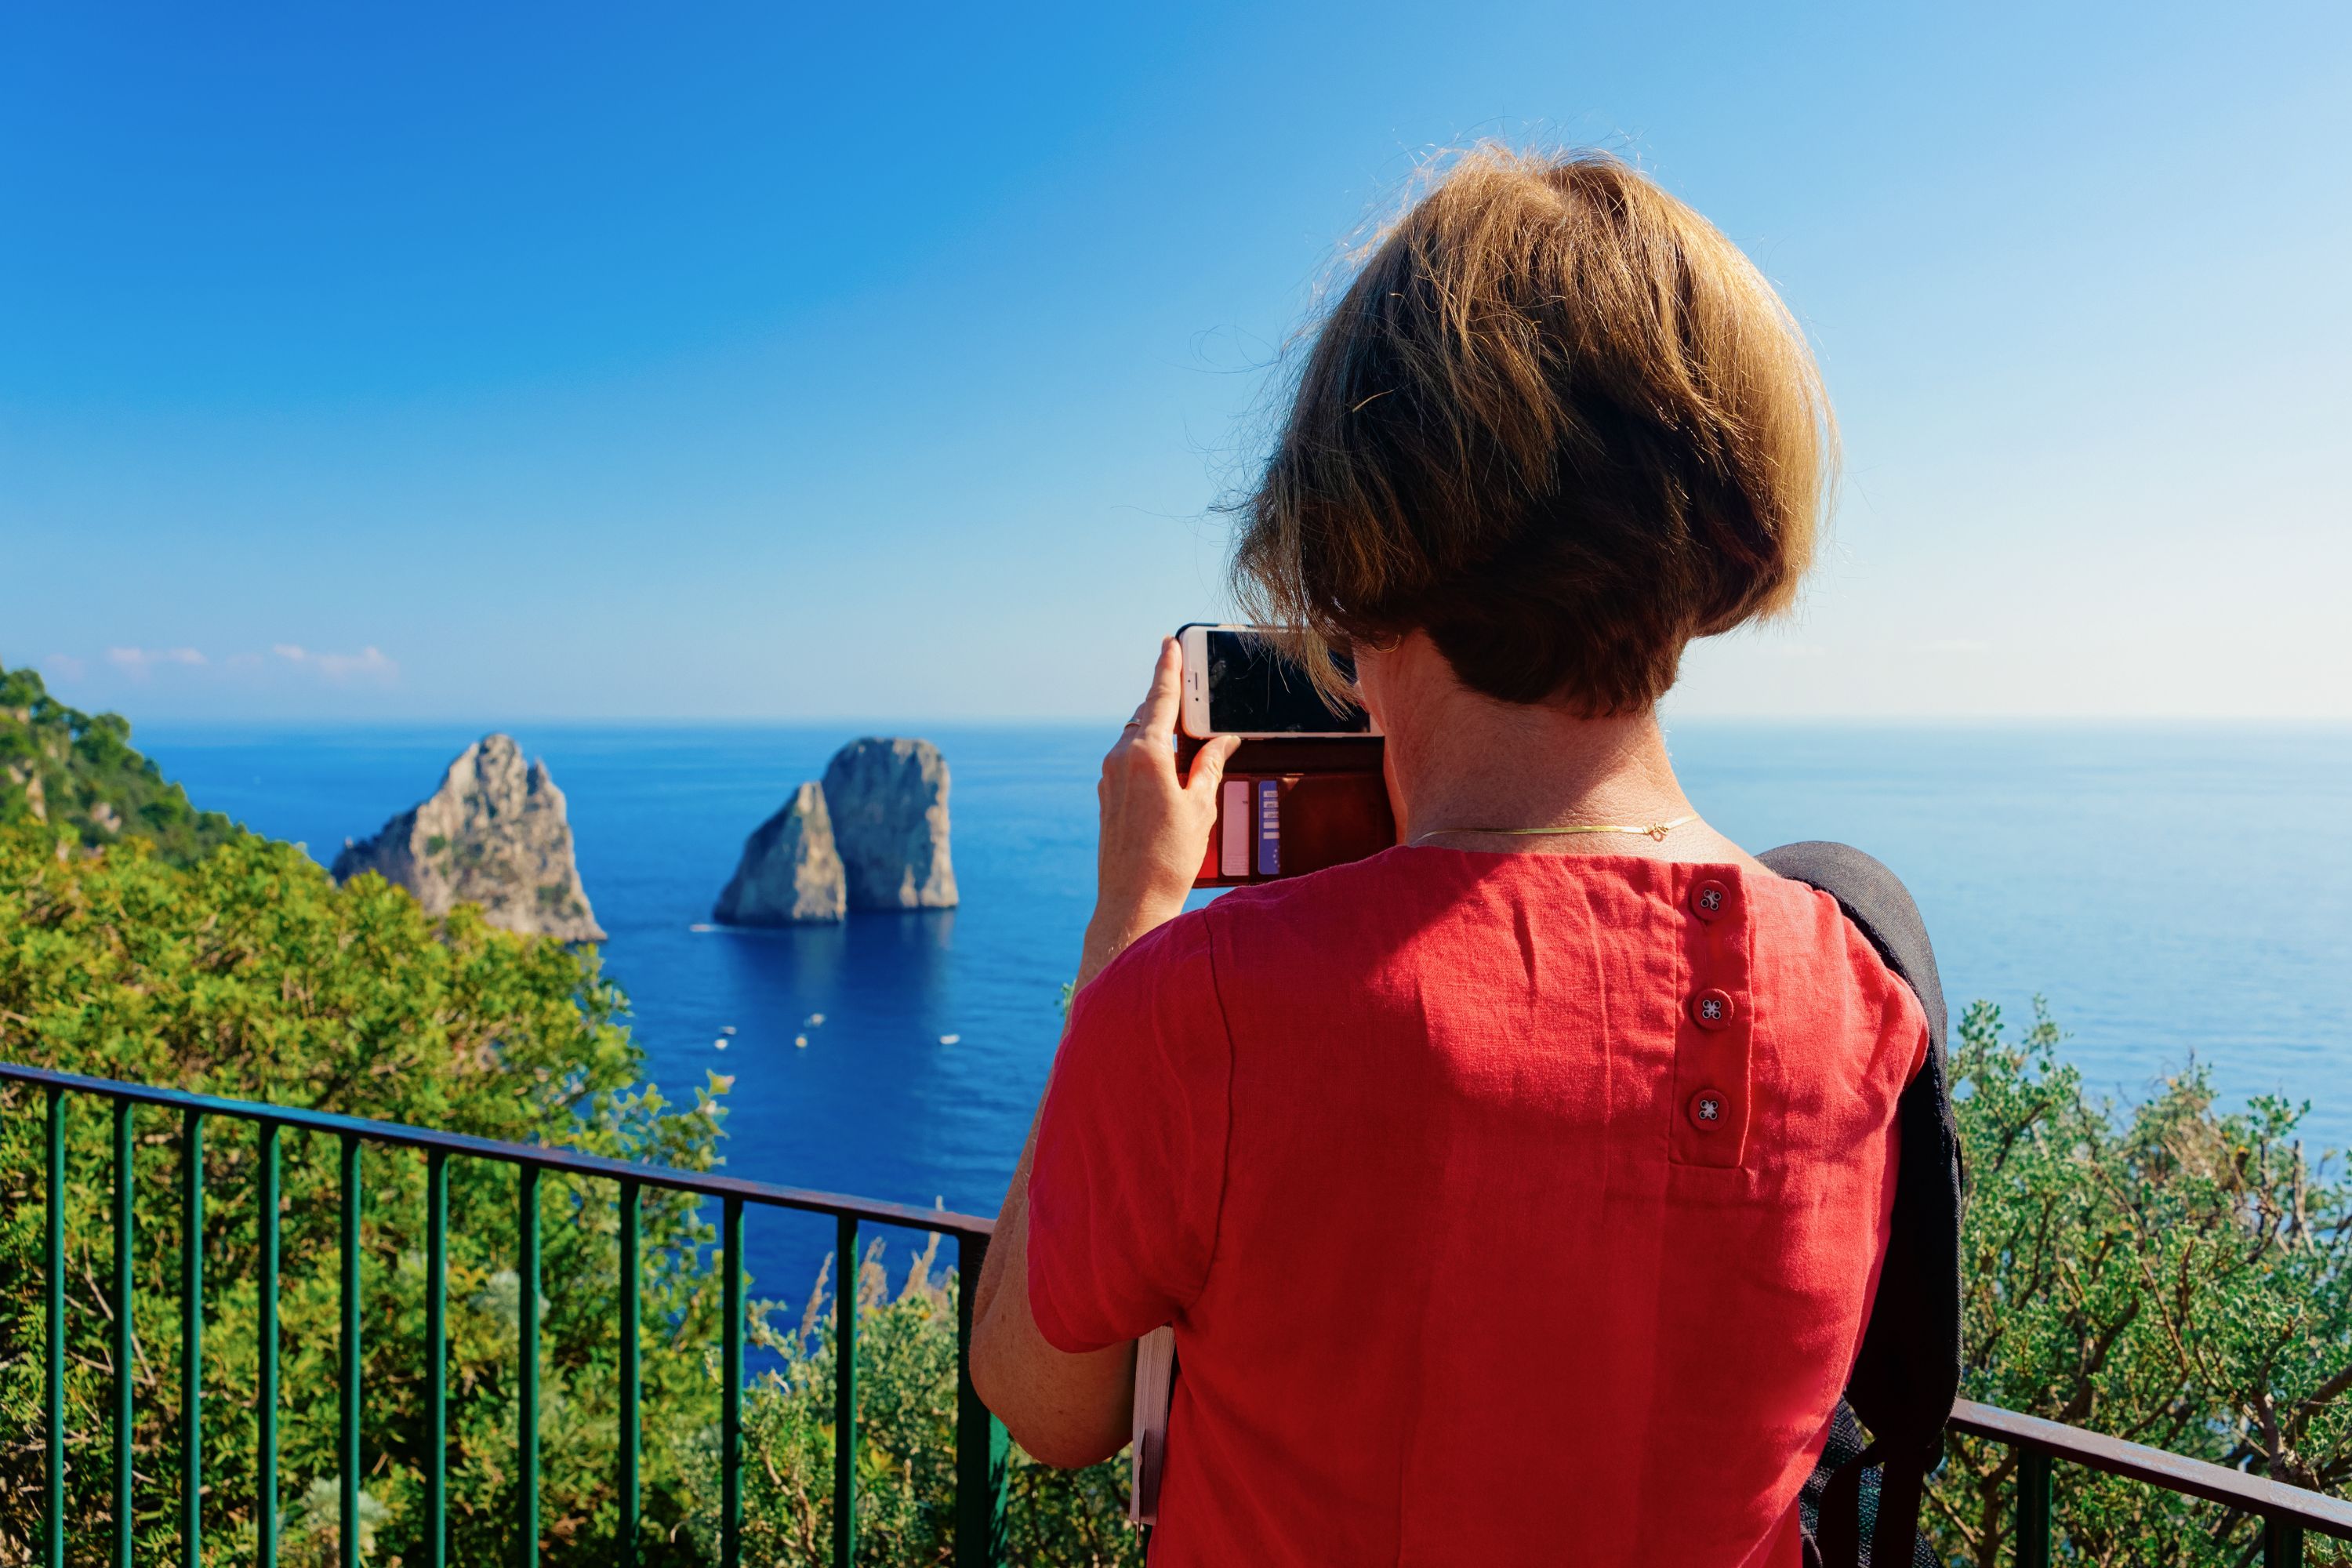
point(1288, 807)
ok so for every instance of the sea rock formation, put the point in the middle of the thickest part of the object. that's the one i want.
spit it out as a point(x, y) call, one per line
point(493, 834)
point(888, 799)
point(790, 873)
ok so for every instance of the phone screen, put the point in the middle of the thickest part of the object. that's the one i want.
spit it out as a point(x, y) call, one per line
point(1253, 690)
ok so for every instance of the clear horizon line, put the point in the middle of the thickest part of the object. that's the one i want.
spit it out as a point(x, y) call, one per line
point(654, 721)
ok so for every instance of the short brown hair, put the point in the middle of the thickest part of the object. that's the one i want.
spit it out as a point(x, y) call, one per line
point(1559, 422)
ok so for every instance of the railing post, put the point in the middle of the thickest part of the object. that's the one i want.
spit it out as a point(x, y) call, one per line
point(53, 1260)
point(125, 1522)
point(2032, 1508)
point(192, 1340)
point(731, 1425)
point(527, 1358)
point(847, 1274)
point(632, 1371)
point(265, 1397)
point(348, 1437)
point(436, 1358)
point(2282, 1543)
point(980, 1442)
point(981, 1447)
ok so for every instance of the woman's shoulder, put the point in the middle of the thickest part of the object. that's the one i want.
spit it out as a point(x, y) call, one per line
point(1609, 897)
point(1339, 893)
point(1805, 943)
point(1336, 924)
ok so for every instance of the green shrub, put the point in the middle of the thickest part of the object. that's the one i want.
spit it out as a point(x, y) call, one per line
point(248, 973)
point(906, 1473)
point(2172, 1275)
point(77, 772)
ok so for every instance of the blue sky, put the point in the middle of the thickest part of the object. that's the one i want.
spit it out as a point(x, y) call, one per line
point(513, 362)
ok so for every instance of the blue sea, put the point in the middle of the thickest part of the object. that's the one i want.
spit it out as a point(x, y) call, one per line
point(2177, 894)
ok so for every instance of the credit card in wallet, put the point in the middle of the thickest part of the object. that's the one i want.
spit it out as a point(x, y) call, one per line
point(1319, 804)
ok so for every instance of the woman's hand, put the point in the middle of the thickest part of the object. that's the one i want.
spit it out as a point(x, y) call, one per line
point(1155, 826)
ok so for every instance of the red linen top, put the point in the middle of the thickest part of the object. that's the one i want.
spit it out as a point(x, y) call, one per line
point(1509, 1209)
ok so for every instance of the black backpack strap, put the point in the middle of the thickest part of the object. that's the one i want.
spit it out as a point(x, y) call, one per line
point(1908, 1371)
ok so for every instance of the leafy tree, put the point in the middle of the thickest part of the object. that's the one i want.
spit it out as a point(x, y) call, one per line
point(248, 973)
point(77, 771)
point(251, 975)
point(2172, 1275)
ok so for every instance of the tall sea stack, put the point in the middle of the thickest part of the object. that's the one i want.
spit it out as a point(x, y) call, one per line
point(889, 801)
point(493, 834)
point(790, 873)
point(872, 836)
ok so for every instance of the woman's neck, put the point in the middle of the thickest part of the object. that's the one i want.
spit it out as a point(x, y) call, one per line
point(1459, 761)
point(1538, 768)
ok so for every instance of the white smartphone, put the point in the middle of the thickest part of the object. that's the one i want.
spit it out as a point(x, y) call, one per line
point(1237, 682)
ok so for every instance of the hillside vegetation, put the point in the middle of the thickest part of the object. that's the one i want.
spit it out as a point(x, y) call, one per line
point(2176, 1272)
point(76, 774)
point(2173, 1272)
point(248, 972)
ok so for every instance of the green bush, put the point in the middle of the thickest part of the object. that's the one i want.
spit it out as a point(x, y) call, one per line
point(906, 1473)
point(77, 771)
point(2172, 1275)
point(248, 973)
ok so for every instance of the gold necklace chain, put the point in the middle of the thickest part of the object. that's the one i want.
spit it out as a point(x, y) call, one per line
point(1655, 831)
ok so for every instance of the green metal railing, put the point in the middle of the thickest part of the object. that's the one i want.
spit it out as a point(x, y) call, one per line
point(981, 1443)
point(2287, 1513)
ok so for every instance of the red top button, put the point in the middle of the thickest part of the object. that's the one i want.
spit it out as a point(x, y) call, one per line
point(1711, 1009)
point(1709, 1109)
point(1710, 898)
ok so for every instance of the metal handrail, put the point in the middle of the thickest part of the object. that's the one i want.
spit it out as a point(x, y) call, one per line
point(2286, 1512)
point(980, 1442)
point(569, 1161)
point(982, 1446)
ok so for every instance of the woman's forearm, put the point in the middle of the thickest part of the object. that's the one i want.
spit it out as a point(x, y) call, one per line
point(1067, 1409)
point(1063, 1409)
point(1105, 940)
